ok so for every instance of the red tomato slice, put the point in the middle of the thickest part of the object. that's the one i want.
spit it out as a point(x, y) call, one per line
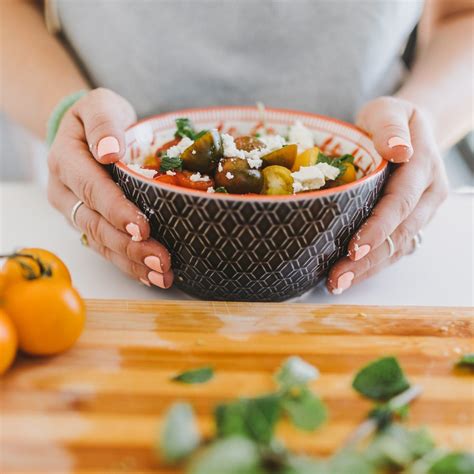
point(184, 180)
point(166, 178)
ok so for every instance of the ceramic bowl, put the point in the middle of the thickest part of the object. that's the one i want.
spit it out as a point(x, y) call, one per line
point(253, 248)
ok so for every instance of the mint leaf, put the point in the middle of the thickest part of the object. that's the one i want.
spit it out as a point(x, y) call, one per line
point(305, 410)
point(454, 463)
point(294, 372)
point(381, 379)
point(253, 418)
point(466, 360)
point(221, 189)
point(184, 128)
point(339, 162)
point(180, 435)
point(385, 414)
point(200, 375)
point(168, 163)
point(235, 455)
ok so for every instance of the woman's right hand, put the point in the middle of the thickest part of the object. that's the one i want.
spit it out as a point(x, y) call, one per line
point(91, 134)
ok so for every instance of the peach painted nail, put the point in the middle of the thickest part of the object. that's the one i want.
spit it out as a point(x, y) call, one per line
point(157, 279)
point(343, 282)
point(153, 262)
point(398, 141)
point(145, 282)
point(361, 251)
point(107, 146)
point(134, 231)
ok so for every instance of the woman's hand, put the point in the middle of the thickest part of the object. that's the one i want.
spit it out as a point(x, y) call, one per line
point(415, 189)
point(92, 134)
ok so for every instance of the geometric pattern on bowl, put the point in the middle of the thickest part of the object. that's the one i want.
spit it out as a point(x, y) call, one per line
point(253, 248)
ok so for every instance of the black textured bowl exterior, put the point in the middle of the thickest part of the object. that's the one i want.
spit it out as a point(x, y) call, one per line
point(250, 250)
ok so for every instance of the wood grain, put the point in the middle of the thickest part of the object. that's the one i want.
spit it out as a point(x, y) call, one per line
point(98, 407)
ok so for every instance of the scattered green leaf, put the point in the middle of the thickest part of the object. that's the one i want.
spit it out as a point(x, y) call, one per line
point(304, 465)
point(305, 410)
point(339, 162)
point(222, 190)
point(184, 128)
point(294, 372)
point(454, 463)
point(254, 418)
point(350, 462)
point(180, 435)
point(381, 379)
point(385, 414)
point(234, 455)
point(466, 360)
point(169, 163)
point(200, 375)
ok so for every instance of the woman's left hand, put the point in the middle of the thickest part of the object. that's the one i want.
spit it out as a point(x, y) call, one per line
point(415, 189)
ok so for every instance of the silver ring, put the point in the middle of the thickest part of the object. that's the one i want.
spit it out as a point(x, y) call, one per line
point(74, 213)
point(391, 246)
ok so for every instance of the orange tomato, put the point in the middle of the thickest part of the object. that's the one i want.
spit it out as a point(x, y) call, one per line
point(184, 180)
point(308, 157)
point(349, 174)
point(48, 314)
point(13, 273)
point(8, 342)
point(166, 178)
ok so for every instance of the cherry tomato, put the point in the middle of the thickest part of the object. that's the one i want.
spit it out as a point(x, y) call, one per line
point(14, 273)
point(184, 180)
point(204, 153)
point(48, 314)
point(308, 157)
point(236, 176)
point(349, 175)
point(284, 156)
point(166, 178)
point(248, 143)
point(8, 342)
point(277, 180)
point(151, 162)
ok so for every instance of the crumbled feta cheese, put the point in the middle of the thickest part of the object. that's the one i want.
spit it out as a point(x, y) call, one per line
point(176, 150)
point(300, 135)
point(142, 171)
point(210, 189)
point(220, 168)
point(229, 148)
point(229, 175)
point(272, 142)
point(193, 152)
point(198, 177)
point(313, 177)
point(171, 173)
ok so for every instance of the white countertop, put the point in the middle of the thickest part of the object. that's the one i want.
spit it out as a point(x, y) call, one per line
point(440, 273)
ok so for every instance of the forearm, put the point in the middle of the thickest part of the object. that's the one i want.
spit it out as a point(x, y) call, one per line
point(440, 82)
point(36, 70)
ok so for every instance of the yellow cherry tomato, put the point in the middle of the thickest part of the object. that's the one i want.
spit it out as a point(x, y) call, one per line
point(8, 342)
point(349, 175)
point(277, 180)
point(48, 314)
point(308, 157)
point(284, 156)
point(14, 273)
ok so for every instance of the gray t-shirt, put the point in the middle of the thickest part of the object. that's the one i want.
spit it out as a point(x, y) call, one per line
point(320, 56)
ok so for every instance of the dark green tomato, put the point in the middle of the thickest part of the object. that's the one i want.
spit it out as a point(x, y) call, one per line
point(236, 176)
point(248, 143)
point(204, 154)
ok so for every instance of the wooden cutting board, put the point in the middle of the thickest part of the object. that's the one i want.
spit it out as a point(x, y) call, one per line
point(98, 407)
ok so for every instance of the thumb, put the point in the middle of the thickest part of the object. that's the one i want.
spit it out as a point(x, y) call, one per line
point(387, 120)
point(105, 116)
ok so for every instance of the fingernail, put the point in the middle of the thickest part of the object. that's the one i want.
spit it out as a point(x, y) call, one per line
point(361, 251)
point(145, 282)
point(157, 279)
point(107, 145)
point(154, 263)
point(134, 231)
point(343, 282)
point(398, 141)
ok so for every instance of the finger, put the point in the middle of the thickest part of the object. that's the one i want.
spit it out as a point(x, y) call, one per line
point(91, 183)
point(142, 260)
point(346, 272)
point(105, 117)
point(387, 120)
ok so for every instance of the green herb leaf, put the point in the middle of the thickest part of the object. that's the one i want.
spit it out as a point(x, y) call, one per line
point(180, 435)
point(305, 410)
point(201, 375)
point(221, 189)
point(385, 414)
point(339, 162)
point(169, 163)
point(234, 455)
point(466, 360)
point(295, 372)
point(253, 418)
point(184, 128)
point(381, 379)
point(350, 462)
point(454, 463)
point(304, 465)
